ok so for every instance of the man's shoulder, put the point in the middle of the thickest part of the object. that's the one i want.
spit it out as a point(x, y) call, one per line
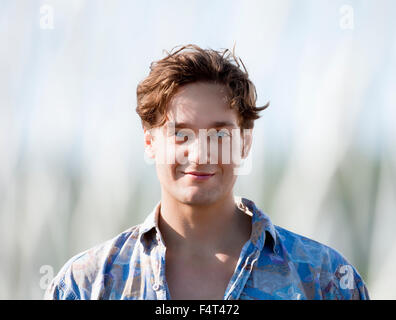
point(302, 248)
point(311, 258)
point(106, 252)
point(79, 274)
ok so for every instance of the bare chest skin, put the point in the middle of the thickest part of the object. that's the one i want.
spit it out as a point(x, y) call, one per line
point(201, 273)
point(194, 278)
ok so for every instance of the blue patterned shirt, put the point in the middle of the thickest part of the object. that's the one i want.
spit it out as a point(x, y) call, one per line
point(273, 264)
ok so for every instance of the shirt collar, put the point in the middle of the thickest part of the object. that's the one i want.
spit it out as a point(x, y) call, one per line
point(149, 224)
point(261, 225)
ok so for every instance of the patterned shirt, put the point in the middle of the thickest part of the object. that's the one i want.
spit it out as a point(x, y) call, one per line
point(273, 264)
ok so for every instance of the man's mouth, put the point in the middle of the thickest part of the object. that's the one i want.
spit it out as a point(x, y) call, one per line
point(196, 175)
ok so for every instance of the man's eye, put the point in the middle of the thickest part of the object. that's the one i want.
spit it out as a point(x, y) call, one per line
point(222, 134)
point(181, 134)
point(219, 134)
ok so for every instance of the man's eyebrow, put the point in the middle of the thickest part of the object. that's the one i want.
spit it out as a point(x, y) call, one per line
point(216, 124)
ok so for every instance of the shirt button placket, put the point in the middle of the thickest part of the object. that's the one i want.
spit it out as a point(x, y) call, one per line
point(160, 291)
point(156, 286)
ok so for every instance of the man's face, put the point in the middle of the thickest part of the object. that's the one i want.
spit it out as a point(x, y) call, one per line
point(180, 146)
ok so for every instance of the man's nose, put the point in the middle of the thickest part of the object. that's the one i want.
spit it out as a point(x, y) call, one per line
point(198, 150)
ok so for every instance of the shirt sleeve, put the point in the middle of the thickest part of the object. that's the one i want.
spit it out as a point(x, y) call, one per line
point(351, 284)
point(59, 290)
point(361, 291)
point(343, 282)
point(63, 286)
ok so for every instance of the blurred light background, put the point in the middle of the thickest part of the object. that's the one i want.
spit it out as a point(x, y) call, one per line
point(72, 170)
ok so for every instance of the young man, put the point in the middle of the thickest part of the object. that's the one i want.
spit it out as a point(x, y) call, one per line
point(201, 241)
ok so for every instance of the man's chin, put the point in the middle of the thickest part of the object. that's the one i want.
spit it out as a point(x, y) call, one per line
point(199, 199)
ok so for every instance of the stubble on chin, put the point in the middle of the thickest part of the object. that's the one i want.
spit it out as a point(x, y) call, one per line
point(199, 198)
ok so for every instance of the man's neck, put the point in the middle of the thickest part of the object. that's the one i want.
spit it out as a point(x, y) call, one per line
point(203, 230)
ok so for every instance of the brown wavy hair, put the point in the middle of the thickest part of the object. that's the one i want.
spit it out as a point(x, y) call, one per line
point(189, 64)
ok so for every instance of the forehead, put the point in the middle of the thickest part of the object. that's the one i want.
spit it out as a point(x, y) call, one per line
point(201, 105)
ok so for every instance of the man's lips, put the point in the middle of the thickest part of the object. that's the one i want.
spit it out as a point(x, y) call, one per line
point(196, 173)
point(199, 175)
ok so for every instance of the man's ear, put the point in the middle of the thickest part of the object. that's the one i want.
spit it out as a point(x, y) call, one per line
point(148, 143)
point(247, 138)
